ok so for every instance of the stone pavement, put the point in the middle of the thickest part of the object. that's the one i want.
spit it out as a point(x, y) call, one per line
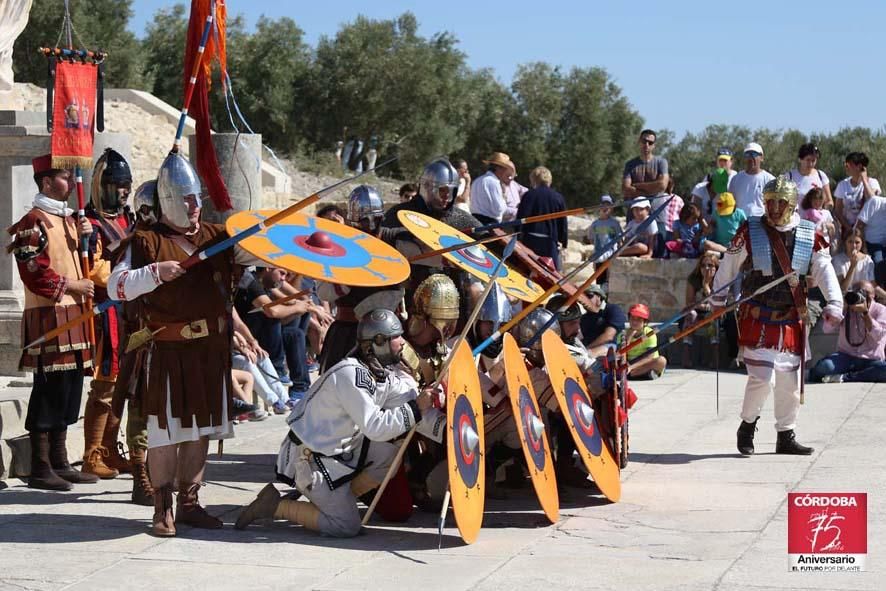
point(693, 515)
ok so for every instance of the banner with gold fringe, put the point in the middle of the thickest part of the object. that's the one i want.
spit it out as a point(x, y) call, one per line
point(73, 112)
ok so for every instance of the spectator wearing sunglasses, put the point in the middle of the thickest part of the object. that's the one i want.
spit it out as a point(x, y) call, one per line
point(747, 185)
point(647, 176)
point(808, 177)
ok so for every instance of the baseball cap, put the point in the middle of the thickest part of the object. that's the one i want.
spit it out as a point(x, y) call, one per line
point(641, 203)
point(606, 199)
point(725, 203)
point(754, 147)
point(724, 152)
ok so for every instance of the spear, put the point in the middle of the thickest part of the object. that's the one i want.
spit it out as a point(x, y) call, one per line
point(459, 246)
point(676, 317)
point(543, 217)
point(277, 217)
point(212, 250)
point(395, 464)
point(574, 297)
point(715, 315)
point(565, 279)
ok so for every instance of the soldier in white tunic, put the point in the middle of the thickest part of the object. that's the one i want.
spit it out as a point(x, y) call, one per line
point(338, 445)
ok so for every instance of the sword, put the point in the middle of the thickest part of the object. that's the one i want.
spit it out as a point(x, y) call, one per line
point(563, 280)
point(714, 316)
point(395, 464)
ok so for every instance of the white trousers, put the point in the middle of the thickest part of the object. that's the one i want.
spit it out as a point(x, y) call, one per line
point(339, 516)
point(777, 371)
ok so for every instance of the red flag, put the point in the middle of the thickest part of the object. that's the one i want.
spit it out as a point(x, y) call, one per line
point(207, 163)
point(73, 111)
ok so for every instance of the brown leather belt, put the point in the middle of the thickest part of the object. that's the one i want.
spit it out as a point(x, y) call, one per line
point(186, 331)
point(345, 314)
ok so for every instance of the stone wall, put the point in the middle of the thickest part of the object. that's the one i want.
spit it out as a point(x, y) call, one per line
point(659, 283)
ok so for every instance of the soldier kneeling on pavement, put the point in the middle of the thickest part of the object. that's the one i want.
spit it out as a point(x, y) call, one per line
point(339, 441)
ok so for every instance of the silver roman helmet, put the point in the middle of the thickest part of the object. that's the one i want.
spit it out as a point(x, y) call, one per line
point(495, 309)
point(374, 334)
point(176, 180)
point(144, 202)
point(526, 330)
point(438, 184)
point(111, 182)
point(365, 209)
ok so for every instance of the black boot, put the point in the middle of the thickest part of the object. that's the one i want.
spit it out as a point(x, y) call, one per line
point(58, 458)
point(787, 444)
point(42, 476)
point(746, 437)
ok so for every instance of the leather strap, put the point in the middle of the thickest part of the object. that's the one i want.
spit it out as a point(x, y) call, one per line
point(781, 255)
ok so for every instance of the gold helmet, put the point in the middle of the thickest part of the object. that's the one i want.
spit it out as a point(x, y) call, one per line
point(781, 189)
point(435, 302)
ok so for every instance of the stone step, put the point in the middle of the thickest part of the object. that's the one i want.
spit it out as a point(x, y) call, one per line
point(15, 445)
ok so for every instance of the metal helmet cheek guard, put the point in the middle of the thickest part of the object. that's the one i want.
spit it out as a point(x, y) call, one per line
point(438, 174)
point(781, 189)
point(526, 330)
point(144, 202)
point(176, 180)
point(365, 208)
point(374, 334)
point(110, 172)
point(436, 301)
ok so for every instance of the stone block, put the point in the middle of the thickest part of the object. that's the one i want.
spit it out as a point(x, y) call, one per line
point(660, 283)
point(22, 118)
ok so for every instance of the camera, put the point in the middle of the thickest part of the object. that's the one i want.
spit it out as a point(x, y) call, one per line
point(853, 298)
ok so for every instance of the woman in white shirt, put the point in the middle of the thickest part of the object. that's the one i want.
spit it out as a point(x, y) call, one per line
point(853, 191)
point(855, 264)
point(808, 177)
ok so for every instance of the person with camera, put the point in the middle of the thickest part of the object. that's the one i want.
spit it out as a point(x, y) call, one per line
point(860, 346)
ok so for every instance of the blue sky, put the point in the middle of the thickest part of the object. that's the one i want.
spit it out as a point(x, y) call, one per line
point(684, 64)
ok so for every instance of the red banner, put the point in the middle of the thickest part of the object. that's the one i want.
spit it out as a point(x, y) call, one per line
point(73, 113)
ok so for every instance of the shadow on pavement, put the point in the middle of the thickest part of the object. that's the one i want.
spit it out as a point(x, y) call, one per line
point(679, 458)
point(30, 496)
point(241, 467)
point(37, 528)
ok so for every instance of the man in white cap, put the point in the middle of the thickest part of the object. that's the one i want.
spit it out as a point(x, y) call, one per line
point(488, 202)
point(747, 185)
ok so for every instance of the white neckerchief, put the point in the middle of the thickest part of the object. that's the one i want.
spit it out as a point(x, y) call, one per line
point(53, 206)
point(794, 221)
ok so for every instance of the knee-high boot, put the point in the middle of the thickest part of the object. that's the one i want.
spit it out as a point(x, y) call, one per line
point(94, 421)
point(42, 475)
point(191, 463)
point(163, 465)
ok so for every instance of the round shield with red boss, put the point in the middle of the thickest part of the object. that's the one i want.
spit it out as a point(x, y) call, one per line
point(531, 429)
point(578, 411)
point(321, 249)
point(466, 451)
point(476, 260)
